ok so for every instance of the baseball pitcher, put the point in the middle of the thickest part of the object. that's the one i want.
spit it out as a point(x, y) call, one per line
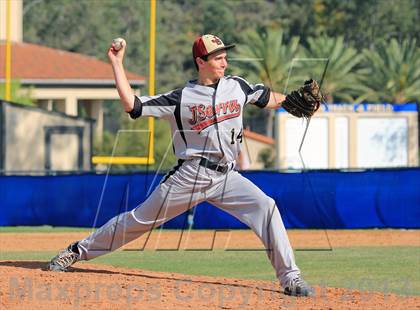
point(206, 121)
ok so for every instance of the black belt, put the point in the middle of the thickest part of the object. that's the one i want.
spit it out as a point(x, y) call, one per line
point(213, 166)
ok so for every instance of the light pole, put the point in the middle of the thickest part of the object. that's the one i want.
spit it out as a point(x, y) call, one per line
point(8, 52)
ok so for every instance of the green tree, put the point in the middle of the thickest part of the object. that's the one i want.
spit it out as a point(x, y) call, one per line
point(266, 156)
point(368, 22)
point(296, 18)
point(342, 76)
point(17, 93)
point(361, 23)
point(393, 72)
point(267, 58)
point(219, 20)
point(88, 26)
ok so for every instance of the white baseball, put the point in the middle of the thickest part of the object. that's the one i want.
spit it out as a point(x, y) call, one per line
point(117, 43)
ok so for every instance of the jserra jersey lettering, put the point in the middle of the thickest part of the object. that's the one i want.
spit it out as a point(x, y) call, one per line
point(205, 121)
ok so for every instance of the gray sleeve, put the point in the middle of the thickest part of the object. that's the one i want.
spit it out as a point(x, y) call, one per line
point(257, 94)
point(160, 106)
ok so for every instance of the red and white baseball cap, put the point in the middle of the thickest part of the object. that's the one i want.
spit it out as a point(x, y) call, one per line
point(208, 44)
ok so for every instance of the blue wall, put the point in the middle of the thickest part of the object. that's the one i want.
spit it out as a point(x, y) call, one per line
point(317, 199)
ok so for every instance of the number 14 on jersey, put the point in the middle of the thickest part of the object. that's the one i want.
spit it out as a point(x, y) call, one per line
point(238, 137)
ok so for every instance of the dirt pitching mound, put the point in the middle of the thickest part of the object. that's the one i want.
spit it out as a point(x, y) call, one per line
point(24, 285)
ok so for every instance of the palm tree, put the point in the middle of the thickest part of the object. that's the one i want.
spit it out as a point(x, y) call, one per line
point(268, 59)
point(342, 76)
point(393, 72)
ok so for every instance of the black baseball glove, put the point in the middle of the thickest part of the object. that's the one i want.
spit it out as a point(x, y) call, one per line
point(305, 101)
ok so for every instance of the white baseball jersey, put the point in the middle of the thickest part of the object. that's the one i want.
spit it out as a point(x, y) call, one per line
point(206, 121)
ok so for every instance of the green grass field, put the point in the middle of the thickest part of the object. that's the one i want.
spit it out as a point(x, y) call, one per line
point(385, 269)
